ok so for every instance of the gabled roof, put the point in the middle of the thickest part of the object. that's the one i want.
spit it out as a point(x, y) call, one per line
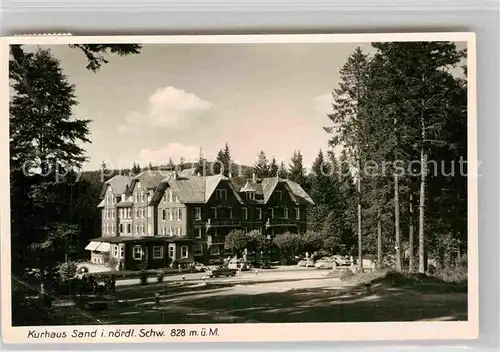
point(268, 186)
point(118, 183)
point(150, 179)
point(211, 183)
point(299, 192)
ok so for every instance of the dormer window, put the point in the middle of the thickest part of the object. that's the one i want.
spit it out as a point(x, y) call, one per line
point(279, 195)
point(221, 194)
point(250, 195)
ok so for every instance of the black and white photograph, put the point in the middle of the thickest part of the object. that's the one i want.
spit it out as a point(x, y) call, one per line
point(196, 183)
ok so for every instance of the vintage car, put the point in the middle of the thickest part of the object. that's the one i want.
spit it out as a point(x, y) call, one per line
point(221, 271)
point(306, 262)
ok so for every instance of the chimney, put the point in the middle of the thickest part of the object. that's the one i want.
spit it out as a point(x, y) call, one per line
point(253, 178)
point(123, 197)
point(198, 174)
point(230, 175)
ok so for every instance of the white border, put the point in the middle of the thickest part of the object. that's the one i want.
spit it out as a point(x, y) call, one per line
point(396, 331)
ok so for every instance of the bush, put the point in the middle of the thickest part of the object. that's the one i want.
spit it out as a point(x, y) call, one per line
point(67, 270)
point(112, 262)
point(453, 273)
point(346, 275)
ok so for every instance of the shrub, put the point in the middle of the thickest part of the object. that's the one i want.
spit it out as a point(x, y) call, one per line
point(67, 270)
point(453, 273)
point(346, 275)
point(112, 262)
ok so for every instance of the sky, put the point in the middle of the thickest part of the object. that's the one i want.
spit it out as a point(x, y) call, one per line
point(171, 100)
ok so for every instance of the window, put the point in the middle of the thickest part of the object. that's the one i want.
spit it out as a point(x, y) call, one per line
point(170, 195)
point(230, 213)
point(113, 213)
point(170, 214)
point(142, 213)
point(113, 228)
point(164, 214)
point(171, 231)
point(129, 228)
point(297, 213)
point(259, 213)
point(197, 213)
point(199, 232)
point(176, 199)
point(115, 251)
point(221, 194)
point(136, 197)
point(137, 213)
point(215, 249)
point(142, 229)
point(137, 252)
point(122, 251)
point(184, 252)
point(179, 214)
point(129, 213)
point(214, 213)
point(136, 229)
point(272, 213)
point(197, 250)
point(279, 195)
point(251, 195)
point(157, 252)
point(245, 213)
point(121, 228)
point(179, 231)
point(171, 250)
point(285, 213)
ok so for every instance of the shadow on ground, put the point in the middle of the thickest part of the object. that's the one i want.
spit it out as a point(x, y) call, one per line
point(231, 303)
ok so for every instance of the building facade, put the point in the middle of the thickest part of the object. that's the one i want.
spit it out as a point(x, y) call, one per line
point(160, 219)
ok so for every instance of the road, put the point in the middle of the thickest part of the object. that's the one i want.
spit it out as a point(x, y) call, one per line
point(294, 273)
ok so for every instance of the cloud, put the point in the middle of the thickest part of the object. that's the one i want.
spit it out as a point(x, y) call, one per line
point(172, 150)
point(168, 107)
point(324, 103)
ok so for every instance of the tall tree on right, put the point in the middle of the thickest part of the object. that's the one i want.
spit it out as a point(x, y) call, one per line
point(348, 128)
point(421, 95)
point(223, 161)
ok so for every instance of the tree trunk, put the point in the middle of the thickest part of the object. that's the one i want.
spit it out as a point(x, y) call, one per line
point(379, 239)
point(421, 222)
point(396, 223)
point(360, 236)
point(411, 250)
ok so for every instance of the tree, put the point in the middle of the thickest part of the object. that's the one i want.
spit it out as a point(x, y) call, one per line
point(256, 240)
point(261, 167)
point(236, 241)
point(348, 120)
point(282, 171)
point(274, 168)
point(170, 165)
point(419, 90)
point(288, 244)
point(297, 172)
point(223, 161)
point(200, 164)
point(136, 169)
point(313, 241)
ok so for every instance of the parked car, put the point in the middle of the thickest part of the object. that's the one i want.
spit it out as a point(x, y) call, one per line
point(325, 263)
point(221, 271)
point(307, 263)
point(199, 267)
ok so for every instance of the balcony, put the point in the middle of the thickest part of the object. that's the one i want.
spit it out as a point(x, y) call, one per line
point(223, 223)
point(275, 222)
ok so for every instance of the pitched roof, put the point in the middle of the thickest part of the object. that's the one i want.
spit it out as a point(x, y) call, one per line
point(211, 183)
point(268, 186)
point(299, 192)
point(150, 179)
point(248, 188)
point(118, 184)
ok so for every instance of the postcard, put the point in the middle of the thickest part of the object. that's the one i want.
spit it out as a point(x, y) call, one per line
point(239, 188)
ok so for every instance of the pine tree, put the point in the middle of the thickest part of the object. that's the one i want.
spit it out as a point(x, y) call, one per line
point(282, 171)
point(201, 165)
point(170, 165)
point(348, 118)
point(297, 172)
point(136, 169)
point(223, 162)
point(261, 167)
point(273, 168)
